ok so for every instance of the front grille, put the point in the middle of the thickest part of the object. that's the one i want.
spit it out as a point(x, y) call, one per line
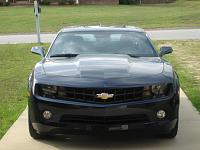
point(137, 118)
point(90, 94)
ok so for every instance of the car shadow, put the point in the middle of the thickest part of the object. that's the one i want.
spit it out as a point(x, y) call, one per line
point(111, 141)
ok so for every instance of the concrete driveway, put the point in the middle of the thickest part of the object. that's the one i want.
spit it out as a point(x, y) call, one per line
point(179, 34)
point(17, 138)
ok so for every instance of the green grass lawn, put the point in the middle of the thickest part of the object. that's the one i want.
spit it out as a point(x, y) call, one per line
point(183, 13)
point(16, 63)
point(186, 61)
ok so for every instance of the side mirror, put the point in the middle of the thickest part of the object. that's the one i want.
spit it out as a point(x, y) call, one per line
point(39, 50)
point(165, 50)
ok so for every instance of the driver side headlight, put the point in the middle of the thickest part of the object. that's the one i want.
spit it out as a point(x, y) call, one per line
point(156, 90)
point(160, 89)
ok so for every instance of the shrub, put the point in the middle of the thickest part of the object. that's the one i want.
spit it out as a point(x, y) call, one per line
point(71, 2)
point(62, 2)
point(128, 2)
point(4, 3)
point(133, 2)
point(45, 2)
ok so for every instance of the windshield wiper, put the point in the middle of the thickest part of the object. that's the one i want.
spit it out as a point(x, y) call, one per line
point(74, 55)
point(64, 55)
point(131, 55)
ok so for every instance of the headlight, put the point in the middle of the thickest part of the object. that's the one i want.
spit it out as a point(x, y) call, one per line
point(160, 89)
point(157, 90)
point(147, 91)
point(48, 91)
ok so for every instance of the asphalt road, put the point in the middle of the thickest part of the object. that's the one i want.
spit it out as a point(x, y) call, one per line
point(188, 137)
point(179, 34)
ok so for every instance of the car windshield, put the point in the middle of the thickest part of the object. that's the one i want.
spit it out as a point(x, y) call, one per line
point(102, 42)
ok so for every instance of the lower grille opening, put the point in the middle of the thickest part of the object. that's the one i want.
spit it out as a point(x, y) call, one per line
point(139, 118)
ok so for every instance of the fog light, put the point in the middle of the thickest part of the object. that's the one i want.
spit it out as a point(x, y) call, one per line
point(161, 114)
point(47, 114)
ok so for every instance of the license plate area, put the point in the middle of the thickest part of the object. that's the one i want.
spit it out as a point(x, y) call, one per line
point(118, 128)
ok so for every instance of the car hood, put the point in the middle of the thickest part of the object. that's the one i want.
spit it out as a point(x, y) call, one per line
point(103, 66)
point(103, 71)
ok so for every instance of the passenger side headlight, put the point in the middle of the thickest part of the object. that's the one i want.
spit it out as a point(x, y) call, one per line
point(49, 91)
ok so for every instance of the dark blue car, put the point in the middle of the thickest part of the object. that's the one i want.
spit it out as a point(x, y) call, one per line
point(102, 80)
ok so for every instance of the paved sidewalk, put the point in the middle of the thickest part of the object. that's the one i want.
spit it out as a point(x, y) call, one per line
point(188, 137)
point(179, 34)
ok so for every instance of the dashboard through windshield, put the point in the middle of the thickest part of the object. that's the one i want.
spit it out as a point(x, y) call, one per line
point(102, 42)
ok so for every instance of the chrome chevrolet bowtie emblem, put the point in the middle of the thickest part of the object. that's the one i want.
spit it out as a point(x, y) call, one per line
point(105, 96)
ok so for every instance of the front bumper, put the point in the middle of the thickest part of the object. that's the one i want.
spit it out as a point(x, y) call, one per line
point(76, 118)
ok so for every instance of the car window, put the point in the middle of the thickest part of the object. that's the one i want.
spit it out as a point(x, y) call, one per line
point(103, 42)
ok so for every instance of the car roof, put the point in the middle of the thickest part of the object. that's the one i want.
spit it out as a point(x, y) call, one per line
point(101, 28)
